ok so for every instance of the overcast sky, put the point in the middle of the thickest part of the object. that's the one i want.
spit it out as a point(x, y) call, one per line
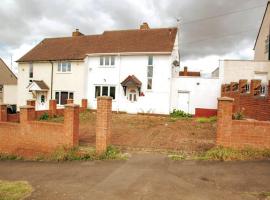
point(210, 29)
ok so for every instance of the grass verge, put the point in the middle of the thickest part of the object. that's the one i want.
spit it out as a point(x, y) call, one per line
point(225, 154)
point(16, 190)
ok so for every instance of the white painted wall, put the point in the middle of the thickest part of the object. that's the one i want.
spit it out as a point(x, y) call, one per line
point(10, 94)
point(73, 81)
point(203, 92)
point(155, 101)
point(234, 70)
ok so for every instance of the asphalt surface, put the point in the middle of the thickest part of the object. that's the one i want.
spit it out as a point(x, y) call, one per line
point(143, 176)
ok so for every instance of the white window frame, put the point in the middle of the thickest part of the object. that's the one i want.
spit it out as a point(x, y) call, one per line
point(263, 90)
point(110, 59)
point(60, 91)
point(147, 71)
point(64, 65)
point(101, 90)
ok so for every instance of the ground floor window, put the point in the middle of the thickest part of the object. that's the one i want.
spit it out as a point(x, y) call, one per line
point(105, 90)
point(62, 96)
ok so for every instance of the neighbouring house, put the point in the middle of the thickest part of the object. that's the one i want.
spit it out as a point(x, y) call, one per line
point(8, 85)
point(259, 68)
point(137, 68)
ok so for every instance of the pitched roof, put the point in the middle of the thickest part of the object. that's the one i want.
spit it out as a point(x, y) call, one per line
point(6, 75)
point(76, 48)
point(261, 24)
point(131, 80)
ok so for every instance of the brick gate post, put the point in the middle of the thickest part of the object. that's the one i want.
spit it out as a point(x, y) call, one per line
point(224, 121)
point(31, 102)
point(103, 124)
point(52, 107)
point(71, 124)
point(3, 112)
point(27, 113)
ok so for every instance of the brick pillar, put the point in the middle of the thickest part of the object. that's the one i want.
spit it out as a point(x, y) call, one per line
point(71, 124)
point(242, 84)
point(185, 71)
point(84, 104)
point(224, 121)
point(27, 113)
point(52, 107)
point(31, 102)
point(3, 112)
point(254, 85)
point(69, 101)
point(103, 123)
point(268, 89)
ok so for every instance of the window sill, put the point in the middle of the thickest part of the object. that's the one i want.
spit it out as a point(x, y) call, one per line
point(63, 72)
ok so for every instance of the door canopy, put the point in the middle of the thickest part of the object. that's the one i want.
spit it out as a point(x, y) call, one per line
point(131, 81)
point(38, 86)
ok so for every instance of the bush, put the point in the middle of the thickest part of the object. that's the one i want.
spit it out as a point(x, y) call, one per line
point(180, 114)
point(45, 116)
point(14, 190)
point(238, 116)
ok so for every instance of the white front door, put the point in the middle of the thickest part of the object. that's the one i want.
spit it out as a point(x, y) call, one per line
point(183, 101)
point(132, 98)
point(41, 100)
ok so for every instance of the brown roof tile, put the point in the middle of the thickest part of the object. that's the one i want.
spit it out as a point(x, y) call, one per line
point(76, 48)
point(131, 80)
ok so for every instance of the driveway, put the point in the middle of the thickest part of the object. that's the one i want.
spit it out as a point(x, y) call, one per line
point(143, 176)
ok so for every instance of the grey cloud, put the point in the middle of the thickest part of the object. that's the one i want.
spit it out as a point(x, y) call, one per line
point(29, 21)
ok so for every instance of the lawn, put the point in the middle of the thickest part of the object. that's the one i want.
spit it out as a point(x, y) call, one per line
point(16, 190)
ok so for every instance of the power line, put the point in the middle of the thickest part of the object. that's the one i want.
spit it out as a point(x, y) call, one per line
point(222, 15)
point(222, 36)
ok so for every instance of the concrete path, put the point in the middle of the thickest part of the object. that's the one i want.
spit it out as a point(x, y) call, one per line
point(144, 176)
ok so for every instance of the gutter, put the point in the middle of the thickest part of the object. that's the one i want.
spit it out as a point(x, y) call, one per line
point(51, 79)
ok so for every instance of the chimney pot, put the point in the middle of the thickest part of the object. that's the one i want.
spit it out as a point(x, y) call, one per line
point(144, 26)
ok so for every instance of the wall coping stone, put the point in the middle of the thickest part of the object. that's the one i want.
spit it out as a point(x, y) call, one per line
point(26, 107)
point(226, 99)
point(105, 97)
point(71, 105)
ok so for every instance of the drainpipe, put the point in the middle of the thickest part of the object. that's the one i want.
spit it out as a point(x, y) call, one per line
point(51, 80)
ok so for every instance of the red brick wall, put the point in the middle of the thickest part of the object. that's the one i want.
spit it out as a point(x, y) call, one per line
point(202, 112)
point(252, 104)
point(13, 117)
point(29, 137)
point(240, 133)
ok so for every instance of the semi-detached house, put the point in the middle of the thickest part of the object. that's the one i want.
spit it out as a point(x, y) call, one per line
point(134, 67)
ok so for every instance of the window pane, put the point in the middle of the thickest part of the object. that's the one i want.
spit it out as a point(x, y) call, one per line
point(150, 71)
point(31, 70)
point(149, 84)
point(59, 67)
point(64, 97)
point(64, 67)
point(71, 95)
point(130, 97)
point(134, 97)
point(150, 60)
point(57, 97)
point(101, 60)
point(69, 67)
point(112, 60)
point(107, 60)
point(97, 91)
point(112, 92)
point(105, 91)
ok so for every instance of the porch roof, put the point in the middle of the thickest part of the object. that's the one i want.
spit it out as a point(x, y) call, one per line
point(131, 80)
point(38, 86)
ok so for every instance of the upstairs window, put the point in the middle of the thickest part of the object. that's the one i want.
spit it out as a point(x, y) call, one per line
point(64, 67)
point(150, 73)
point(107, 61)
point(31, 70)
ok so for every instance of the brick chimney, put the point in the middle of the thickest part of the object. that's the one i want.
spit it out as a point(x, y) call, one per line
point(77, 33)
point(144, 26)
point(185, 71)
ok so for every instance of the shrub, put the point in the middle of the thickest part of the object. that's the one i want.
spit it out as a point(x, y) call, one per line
point(45, 116)
point(180, 114)
point(238, 116)
point(15, 190)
